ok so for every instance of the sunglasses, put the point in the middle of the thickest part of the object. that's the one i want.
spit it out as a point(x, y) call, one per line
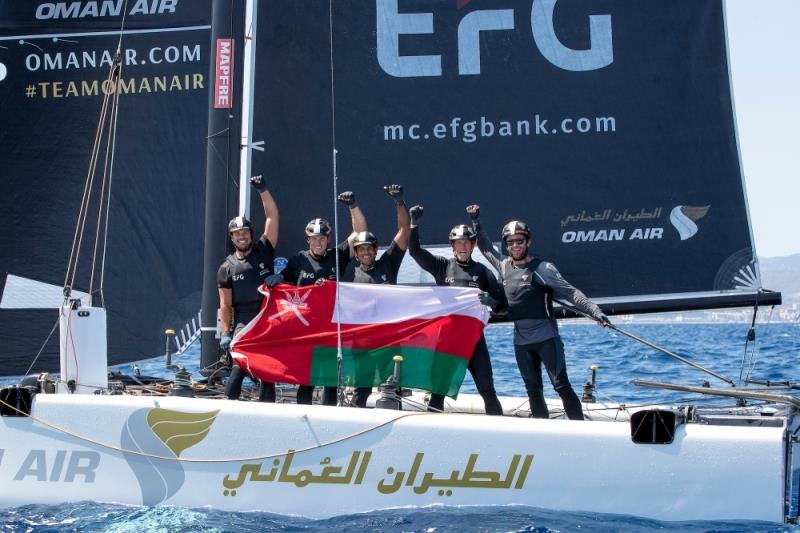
point(512, 242)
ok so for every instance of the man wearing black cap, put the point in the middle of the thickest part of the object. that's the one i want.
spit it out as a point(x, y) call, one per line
point(239, 278)
point(461, 271)
point(319, 263)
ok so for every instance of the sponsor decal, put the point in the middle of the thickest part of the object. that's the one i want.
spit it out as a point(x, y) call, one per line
point(102, 8)
point(683, 218)
point(409, 477)
point(153, 440)
point(69, 466)
point(394, 26)
point(223, 79)
point(627, 225)
point(92, 59)
point(279, 263)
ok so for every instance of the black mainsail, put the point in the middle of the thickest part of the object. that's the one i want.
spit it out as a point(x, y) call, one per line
point(607, 125)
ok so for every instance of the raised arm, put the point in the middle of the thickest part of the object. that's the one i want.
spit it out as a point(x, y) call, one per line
point(426, 260)
point(403, 218)
point(484, 242)
point(270, 210)
point(357, 219)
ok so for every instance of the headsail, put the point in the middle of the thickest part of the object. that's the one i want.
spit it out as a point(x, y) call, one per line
point(55, 57)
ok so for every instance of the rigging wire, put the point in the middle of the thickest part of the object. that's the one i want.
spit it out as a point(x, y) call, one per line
point(109, 106)
point(105, 196)
point(340, 396)
point(41, 348)
point(751, 337)
point(755, 352)
point(112, 145)
point(108, 203)
point(77, 239)
point(630, 335)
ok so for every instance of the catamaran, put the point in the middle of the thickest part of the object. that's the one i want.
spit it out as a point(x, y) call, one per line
point(613, 129)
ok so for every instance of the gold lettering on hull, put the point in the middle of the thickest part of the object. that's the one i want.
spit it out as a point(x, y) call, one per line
point(355, 470)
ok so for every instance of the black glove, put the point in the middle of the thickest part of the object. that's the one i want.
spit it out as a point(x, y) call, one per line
point(348, 199)
point(486, 299)
point(396, 192)
point(272, 280)
point(225, 341)
point(603, 320)
point(474, 211)
point(320, 281)
point(416, 213)
point(258, 183)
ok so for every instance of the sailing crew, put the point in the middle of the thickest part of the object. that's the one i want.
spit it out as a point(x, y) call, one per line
point(530, 285)
point(320, 263)
point(367, 269)
point(239, 278)
point(461, 271)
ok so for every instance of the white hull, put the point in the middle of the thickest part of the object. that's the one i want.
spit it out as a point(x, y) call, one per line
point(233, 456)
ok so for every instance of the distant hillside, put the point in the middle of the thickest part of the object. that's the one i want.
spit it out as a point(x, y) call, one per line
point(782, 274)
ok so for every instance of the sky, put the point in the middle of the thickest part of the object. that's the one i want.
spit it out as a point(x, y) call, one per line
point(764, 44)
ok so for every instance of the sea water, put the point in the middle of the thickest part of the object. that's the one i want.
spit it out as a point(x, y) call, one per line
point(719, 347)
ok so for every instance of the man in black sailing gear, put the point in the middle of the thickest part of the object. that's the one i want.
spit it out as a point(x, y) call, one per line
point(461, 271)
point(530, 284)
point(320, 263)
point(366, 269)
point(239, 278)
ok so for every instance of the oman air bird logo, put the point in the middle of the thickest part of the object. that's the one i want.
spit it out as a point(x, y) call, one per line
point(153, 440)
point(683, 217)
point(292, 303)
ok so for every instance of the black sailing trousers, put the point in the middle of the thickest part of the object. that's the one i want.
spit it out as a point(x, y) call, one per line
point(306, 392)
point(529, 360)
point(233, 387)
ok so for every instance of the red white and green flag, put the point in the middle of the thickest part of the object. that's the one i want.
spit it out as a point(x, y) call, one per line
point(294, 337)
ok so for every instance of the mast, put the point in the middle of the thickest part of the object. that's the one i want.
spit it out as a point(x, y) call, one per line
point(222, 163)
point(248, 82)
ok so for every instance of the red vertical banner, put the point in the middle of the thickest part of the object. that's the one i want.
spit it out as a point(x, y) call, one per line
point(223, 80)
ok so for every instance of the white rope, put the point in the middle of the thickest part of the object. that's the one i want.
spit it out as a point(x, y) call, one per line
point(72, 264)
point(249, 458)
point(108, 199)
point(105, 191)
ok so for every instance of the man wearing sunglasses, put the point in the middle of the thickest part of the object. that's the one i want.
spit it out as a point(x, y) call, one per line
point(461, 271)
point(530, 285)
